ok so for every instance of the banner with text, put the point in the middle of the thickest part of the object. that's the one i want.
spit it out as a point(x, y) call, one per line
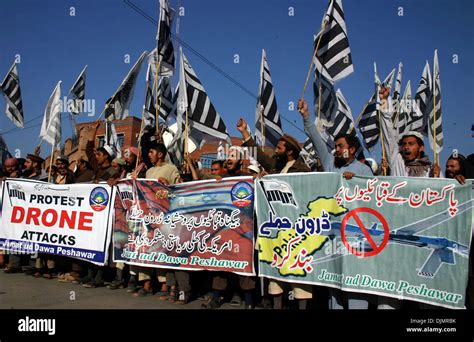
point(391, 236)
point(203, 225)
point(66, 220)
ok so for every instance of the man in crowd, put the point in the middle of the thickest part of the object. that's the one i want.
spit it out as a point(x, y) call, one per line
point(84, 173)
point(33, 167)
point(343, 161)
point(286, 159)
point(64, 175)
point(12, 170)
point(217, 168)
point(346, 146)
point(221, 280)
point(166, 174)
point(458, 167)
point(406, 156)
point(100, 159)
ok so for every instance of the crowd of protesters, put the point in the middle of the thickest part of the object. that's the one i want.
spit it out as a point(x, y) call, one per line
point(405, 157)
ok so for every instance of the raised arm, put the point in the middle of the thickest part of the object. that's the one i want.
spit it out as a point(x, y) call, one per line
point(327, 159)
point(90, 146)
point(190, 163)
point(264, 160)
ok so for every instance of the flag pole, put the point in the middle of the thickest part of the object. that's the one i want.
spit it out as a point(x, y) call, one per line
point(312, 57)
point(140, 136)
point(103, 111)
point(434, 111)
point(358, 118)
point(262, 124)
point(142, 120)
point(435, 160)
point(157, 103)
point(186, 133)
point(319, 107)
point(382, 140)
point(51, 163)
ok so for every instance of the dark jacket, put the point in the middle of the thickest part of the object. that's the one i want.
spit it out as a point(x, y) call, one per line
point(269, 163)
point(101, 174)
point(84, 176)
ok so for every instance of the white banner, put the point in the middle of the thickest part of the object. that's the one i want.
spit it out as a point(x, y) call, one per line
point(67, 220)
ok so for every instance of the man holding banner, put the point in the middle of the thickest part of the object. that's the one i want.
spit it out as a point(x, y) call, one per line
point(286, 160)
point(344, 161)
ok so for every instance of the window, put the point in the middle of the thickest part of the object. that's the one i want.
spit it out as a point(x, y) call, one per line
point(120, 137)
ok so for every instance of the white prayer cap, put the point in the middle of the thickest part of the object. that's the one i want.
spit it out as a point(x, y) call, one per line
point(413, 134)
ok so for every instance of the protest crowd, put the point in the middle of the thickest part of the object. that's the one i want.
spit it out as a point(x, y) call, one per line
point(331, 145)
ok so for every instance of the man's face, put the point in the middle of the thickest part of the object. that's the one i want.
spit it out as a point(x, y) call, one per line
point(343, 151)
point(116, 166)
point(232, 163)
point(61, 167)
point(10, 169)
point(410, 149)
point(129, 158)
point(81, 166)
point(217, 169)
point(153, 156)
point(453, 168)
point(101, 157)
point(280, 149)
point(29, 165)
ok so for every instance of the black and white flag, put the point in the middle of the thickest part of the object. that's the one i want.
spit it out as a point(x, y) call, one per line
point(166, 99)
point(342, 124)
point(11, 90)
point(369, 122)
point(78, 94)
point(435, 128)
point(396, 96)
point(410, 118)
point(119, 103)
point(309, 154)
point(333, 58)
point(423, 96)
point(163, 54)
point(267, 117)
point(201, 112)
point(149, 108)
point(4, 154)
point(176, 148)
point(111, 139)
point(51, 126)
point(325, 100)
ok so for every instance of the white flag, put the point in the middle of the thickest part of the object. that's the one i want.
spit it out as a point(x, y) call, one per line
point(51, 127)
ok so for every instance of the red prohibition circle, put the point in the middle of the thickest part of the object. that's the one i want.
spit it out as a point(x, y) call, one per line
point(376, 249)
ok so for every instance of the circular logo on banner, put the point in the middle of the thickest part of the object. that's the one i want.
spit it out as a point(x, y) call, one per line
point(99, 198)
point(242, 194)
point(376, 249)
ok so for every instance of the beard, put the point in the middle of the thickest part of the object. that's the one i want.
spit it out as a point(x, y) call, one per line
point(280, 161)
point(234, 168)
point(129, 168)
point(28, 172)
point(339, 162)
point(451, 174)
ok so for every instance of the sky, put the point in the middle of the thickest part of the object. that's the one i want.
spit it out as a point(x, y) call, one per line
point(55, 39)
